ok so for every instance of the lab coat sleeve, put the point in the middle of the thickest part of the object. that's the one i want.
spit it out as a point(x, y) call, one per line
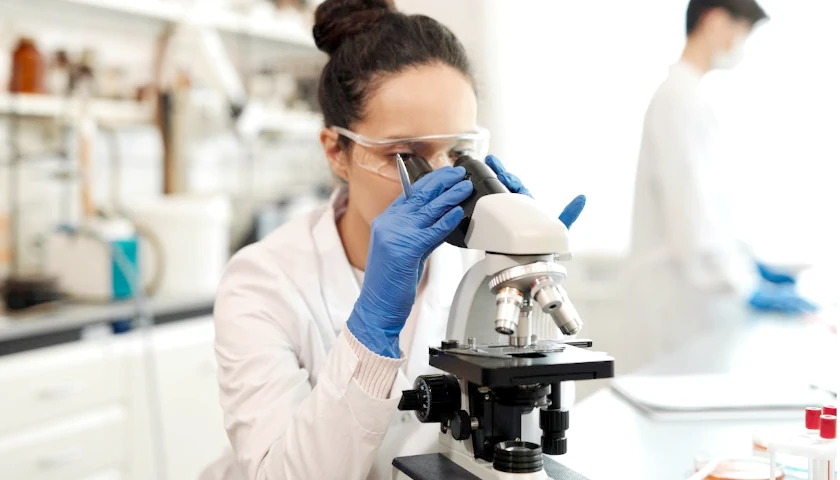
point(706, 252)
point(280, 426)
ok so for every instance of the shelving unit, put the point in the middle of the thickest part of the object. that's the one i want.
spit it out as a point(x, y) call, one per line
point(280, 28)
point(50, 106)
point(151, 9)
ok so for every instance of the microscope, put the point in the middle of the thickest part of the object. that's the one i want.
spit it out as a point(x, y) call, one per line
point(498, 375)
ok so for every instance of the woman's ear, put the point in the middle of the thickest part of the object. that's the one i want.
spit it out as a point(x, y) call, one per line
point(336, 156)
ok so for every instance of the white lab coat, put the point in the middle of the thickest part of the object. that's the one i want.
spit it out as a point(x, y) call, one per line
point(302, 398)
point(686, 271)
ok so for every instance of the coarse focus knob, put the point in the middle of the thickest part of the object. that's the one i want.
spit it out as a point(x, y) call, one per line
point(411, 400)
point(433, 398)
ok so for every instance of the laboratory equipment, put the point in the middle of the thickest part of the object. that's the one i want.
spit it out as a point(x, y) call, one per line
point(27, 68)
point(492, 394)
point(818, 444)
point(21, 289)
point(193, 232)
point(737, 469)
point(85, 259)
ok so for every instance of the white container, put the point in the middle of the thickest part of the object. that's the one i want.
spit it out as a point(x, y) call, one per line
point(84, 261)
point(194, 234)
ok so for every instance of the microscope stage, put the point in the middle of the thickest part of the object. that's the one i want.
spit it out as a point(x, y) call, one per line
point(526, 368)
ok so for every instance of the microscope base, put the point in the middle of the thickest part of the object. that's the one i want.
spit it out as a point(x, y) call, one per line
point(434, 466)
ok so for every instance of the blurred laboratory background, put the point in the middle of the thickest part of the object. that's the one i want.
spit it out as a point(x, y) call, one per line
point(143, 142)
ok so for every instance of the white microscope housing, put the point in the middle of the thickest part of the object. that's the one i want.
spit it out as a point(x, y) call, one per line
point(503, 384)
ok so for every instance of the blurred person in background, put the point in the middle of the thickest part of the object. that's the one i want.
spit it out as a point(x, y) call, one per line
point(688, 269)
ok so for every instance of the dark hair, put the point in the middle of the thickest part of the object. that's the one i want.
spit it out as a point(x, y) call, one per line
point(368, 40)
point(748, 10)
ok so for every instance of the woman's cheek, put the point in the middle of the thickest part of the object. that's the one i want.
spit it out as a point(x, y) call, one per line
point(384, 195)
point(373, 193)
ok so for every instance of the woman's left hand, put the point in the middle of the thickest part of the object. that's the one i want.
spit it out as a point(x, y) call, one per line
point(569, 215)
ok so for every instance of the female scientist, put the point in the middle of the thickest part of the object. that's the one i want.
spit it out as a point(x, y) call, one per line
point(322, 324)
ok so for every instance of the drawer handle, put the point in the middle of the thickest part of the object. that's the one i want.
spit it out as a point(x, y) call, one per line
point(60, 459)
point(58, 392)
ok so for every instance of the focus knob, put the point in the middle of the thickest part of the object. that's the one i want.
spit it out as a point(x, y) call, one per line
point(460, 425)
point(433, 398)
point(411, 400)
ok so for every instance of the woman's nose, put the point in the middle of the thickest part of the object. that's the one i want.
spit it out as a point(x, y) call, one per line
point(440, 160)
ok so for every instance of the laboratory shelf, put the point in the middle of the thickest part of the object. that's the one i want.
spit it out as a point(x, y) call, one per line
point(281, 28)
point(151, 9)
point(51, 106)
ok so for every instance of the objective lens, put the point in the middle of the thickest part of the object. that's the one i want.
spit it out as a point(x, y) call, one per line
point(555, 302)
point(508, 305)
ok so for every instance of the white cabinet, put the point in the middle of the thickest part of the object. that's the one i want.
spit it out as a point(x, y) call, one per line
point(88, 410)
point(70, 448)
point(193, 435)
point(49, 383)
point(62, 414)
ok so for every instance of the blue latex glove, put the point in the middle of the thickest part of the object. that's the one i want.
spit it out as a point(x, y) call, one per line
point(400, 240)
point(774, 276)
point(781, 299)
point(569, 215)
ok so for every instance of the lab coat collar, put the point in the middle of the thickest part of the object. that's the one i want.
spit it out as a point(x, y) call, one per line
point(335, 272)
point(687, 71)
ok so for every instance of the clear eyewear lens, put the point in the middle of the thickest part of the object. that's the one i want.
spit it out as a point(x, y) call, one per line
point(438, 150)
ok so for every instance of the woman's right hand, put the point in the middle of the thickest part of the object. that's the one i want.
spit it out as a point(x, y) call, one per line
point(401, 239)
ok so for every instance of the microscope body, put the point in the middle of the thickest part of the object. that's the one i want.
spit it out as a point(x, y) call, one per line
point(500, 379)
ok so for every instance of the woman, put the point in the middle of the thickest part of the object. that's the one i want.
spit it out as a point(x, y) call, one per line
point(322, 324)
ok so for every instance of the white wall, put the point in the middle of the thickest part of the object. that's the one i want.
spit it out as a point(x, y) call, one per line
point(782, 108)
point(565, 85)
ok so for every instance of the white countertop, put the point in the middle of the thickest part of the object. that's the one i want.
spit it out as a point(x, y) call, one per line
point(609, 438)
point(67, 316)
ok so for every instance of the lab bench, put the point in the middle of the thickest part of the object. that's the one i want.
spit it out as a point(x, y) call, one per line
point(81, 406)
point(54, 325)
point(610, 438)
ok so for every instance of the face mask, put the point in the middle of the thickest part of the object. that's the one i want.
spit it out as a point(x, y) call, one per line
point(731, 59)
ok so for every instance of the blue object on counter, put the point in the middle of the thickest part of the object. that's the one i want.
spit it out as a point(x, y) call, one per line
point(774, 276)
point(781, 298)
point(122, 326)
point(121, 281)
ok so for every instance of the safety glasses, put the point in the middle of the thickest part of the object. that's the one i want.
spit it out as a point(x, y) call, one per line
point(438, 150)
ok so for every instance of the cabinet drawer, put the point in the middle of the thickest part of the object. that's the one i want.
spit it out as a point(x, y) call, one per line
point(76, 448)
point(50, 383)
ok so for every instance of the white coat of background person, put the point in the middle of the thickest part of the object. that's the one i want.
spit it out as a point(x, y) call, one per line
point(686, 270)
point(321, 325)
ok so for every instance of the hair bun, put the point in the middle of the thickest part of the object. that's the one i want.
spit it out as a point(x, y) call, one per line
point(338, 20)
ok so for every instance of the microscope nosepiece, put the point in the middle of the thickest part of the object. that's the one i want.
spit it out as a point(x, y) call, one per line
point(508, 305)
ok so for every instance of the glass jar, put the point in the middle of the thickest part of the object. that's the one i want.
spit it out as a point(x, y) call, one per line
point(27, 68)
